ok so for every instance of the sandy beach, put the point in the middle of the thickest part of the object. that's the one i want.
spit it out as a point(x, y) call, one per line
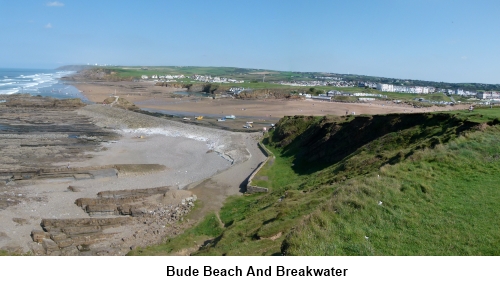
point(147, 95)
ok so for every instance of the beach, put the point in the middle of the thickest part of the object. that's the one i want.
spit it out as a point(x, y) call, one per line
point(194, 163)
point(147, 95)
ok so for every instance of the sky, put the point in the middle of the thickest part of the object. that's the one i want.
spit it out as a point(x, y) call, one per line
point(437, 40)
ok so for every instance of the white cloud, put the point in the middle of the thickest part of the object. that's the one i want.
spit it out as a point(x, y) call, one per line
point(464, 58)
point(48, 26)
point(55, 4)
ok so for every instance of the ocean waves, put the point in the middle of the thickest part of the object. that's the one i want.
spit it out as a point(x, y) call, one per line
point(36, 82)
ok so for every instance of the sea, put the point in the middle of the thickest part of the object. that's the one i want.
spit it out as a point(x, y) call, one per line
point(44, 82)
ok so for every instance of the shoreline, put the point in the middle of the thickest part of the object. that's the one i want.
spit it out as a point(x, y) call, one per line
point(192, 156)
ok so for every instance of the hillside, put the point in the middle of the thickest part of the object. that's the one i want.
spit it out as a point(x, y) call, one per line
point(407, 184)
point(255, 77)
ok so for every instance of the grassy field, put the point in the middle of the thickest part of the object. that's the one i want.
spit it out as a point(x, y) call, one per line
point(405, 185)
point(231, 72)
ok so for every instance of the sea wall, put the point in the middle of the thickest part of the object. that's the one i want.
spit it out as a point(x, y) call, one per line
point(255, 189)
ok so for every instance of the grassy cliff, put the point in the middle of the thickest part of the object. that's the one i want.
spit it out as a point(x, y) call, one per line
point(399, 184)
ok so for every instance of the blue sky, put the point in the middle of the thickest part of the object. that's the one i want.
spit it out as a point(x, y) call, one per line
point(439, 40)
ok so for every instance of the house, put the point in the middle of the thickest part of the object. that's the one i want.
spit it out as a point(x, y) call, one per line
point(333, 93)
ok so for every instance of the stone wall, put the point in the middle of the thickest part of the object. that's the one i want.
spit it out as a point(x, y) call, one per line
point(255, 189)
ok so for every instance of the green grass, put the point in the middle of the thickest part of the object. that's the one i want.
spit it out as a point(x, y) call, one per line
point(206, 229)
point(252, 222)
point(4, 253)
point(437, 190)
point(7, 253)
point(479, 115)
point(442, 201)
point(231, 72)
point(277, 171)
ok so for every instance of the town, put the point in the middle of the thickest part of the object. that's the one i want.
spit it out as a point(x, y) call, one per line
point(201, 78)
point(485, 97)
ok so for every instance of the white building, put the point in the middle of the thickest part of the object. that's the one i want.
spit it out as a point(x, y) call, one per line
point(385, 87)
point(334, 92)
point(488, 95)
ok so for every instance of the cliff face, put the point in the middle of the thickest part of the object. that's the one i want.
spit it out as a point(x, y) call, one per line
point(329, 140)
point(267, 93)
point(171, 84)
point(197, 87)
point(99, 74)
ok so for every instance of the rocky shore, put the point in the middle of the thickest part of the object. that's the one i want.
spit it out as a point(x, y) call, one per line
point(100, 180)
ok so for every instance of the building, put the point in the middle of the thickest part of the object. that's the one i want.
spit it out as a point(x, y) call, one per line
point(488, 95)
point(324, 98)
point(333, 92)
point(385, 87)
